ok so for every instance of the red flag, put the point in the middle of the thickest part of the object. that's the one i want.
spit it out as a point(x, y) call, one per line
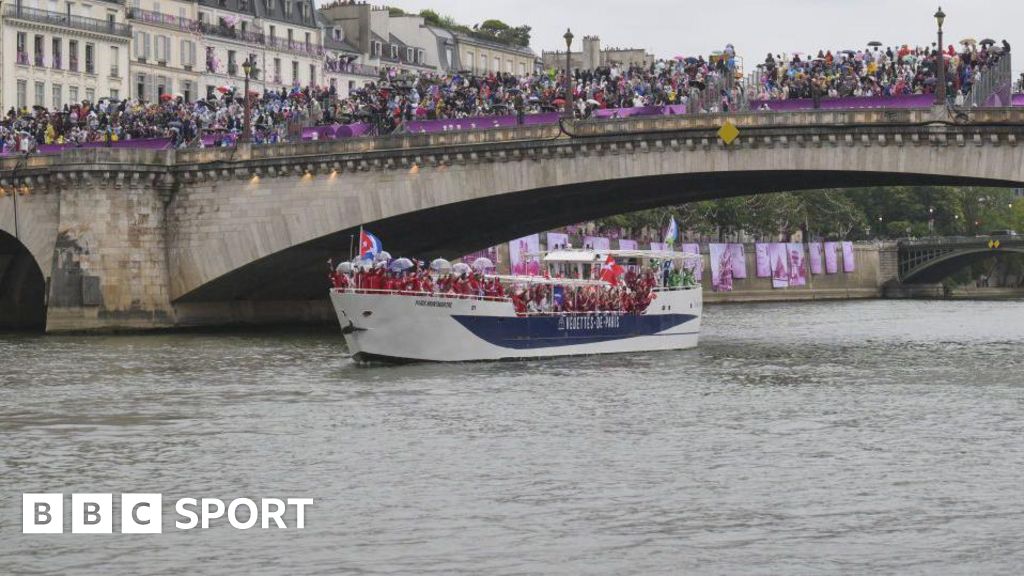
point(611, 271)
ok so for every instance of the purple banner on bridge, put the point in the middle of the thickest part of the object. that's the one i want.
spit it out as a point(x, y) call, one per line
point(831, 263)
point(739, 261)
point(779, 258)
point(797, 264)
point(849, 259)
point(764, 269)
point(696, 265)
point(478, 123)
point(815, 249)
point(660, 246)
point(627, 244)
point(850, 103)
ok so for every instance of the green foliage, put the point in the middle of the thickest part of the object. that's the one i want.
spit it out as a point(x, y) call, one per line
point(396, 12)
point(851, 214)
point(491, 29)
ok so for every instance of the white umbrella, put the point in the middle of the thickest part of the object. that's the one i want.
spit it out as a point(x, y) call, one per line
point(461, 268)
point(383, 256)
point(440, 265)
point(483, 264)
point(401, 264)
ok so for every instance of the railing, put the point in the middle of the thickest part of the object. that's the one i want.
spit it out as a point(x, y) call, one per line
point(250, 37)
point(59, 19)
point(996, 80)
point(349, 68)
point(152, 17)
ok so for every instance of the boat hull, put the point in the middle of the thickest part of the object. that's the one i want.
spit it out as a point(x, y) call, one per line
point(410, 328)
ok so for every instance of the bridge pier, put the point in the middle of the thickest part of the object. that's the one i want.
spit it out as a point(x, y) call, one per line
point(110, 258)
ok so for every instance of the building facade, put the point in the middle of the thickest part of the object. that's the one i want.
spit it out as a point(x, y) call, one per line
point(55, 54)
point(165, 49)
point(396, 44)
point(486, 57)
point(593, 56)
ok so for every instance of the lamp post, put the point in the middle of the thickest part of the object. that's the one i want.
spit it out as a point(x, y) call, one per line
point(249, 67)
point(940, 63)
point(568, 73)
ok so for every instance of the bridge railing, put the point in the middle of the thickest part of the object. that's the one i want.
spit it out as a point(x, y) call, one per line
point(993, 88)
point(958, 240)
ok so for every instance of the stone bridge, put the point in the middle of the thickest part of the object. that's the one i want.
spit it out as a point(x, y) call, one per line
point(929, 260)
point(141, 239)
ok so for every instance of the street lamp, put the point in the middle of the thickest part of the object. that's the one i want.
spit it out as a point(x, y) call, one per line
point(940, 63)
point(249, 67)
point(568, 74)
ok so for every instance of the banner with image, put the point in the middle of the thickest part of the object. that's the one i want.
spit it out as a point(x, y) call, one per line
point(489, 253)
point(764, 269)
point(721, 256)
point(797, 264)
point(849, 258)
point(522, 255)
point(778, 256)
point(597, 243)
point(557, 241)
point(696, 264)
point(659, 246)
point(815, 248)
point(831, 263)
point(739, 261)
point(627, 244)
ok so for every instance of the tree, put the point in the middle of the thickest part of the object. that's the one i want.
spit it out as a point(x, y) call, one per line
point(395, 12)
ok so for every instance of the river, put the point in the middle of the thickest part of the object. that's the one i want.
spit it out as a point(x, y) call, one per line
point(802, 438)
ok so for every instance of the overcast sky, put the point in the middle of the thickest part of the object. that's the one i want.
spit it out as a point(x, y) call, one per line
point(755, 27)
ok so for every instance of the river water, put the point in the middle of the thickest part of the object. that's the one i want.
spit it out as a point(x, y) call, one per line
point(854, 438)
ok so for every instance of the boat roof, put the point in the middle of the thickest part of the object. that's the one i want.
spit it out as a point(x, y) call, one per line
point(568, 282)
point(593, 255)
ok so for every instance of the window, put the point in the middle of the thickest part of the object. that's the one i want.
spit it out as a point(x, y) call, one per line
point(188, 54)
point(186, 90)
point(394, 52)
point(163, 49)
point(273, 32)
point(295, 72)
point(90, 59)
point(111, 21)
point(375, 48)
point(483, 62)
point(38, 54)
point(497, 64)
point(58, 92)
point(450, 61)
point(73, 94)
point(351, 86)
point(508, 66)
point(291, 36)
point(410, 55)
point(308, 43)
point(277, 71)
point(115, 58)
point(55, 48)
point(21, 93)
point(140, 86)
point(232, 66)
point(312, 74)
point(73, 56)
point(522, 69)
point(115, 94)
point(162, 86)
point(22, 52)
point(288, 10)
point(90, 94)
point(40, 94)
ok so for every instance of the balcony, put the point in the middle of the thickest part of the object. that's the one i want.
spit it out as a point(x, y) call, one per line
point(22, 58)
point(27, 14)
point(222, 31)
point(161, 19)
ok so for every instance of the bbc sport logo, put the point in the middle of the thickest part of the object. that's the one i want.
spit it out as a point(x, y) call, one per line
point(143, 513)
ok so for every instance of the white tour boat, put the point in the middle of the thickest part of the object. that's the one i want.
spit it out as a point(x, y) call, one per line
point(401, 326)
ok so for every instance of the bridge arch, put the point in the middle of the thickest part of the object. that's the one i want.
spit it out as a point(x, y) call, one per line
point(263, 230)
point(22, 287)
point(944, 265)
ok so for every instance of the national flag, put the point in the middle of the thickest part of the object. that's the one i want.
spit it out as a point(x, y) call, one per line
point(611, 271)
point(369, 245)
point(672, 233)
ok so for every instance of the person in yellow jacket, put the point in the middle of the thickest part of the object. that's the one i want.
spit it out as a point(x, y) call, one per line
point(50, 134)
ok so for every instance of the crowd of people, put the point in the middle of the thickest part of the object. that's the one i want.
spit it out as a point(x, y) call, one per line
point(893, 71)
point(391, 102)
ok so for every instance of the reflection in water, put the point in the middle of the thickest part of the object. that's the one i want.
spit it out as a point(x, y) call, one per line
point(799, 438)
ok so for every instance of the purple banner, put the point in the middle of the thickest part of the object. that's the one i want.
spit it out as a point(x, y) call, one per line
point(597, 243)
point(659, 246)
point(489, 253)
point(815, 248)
point(849, 260)
point(831, 264)
point(627, 244)
point(557, 241)
point(478, 123)
point(722, 267)
point(696, 264)
point(779, 258)
point(764, 269)
point(797, 264)
point(739, 261)
point(850, 103)
point(521, 255)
